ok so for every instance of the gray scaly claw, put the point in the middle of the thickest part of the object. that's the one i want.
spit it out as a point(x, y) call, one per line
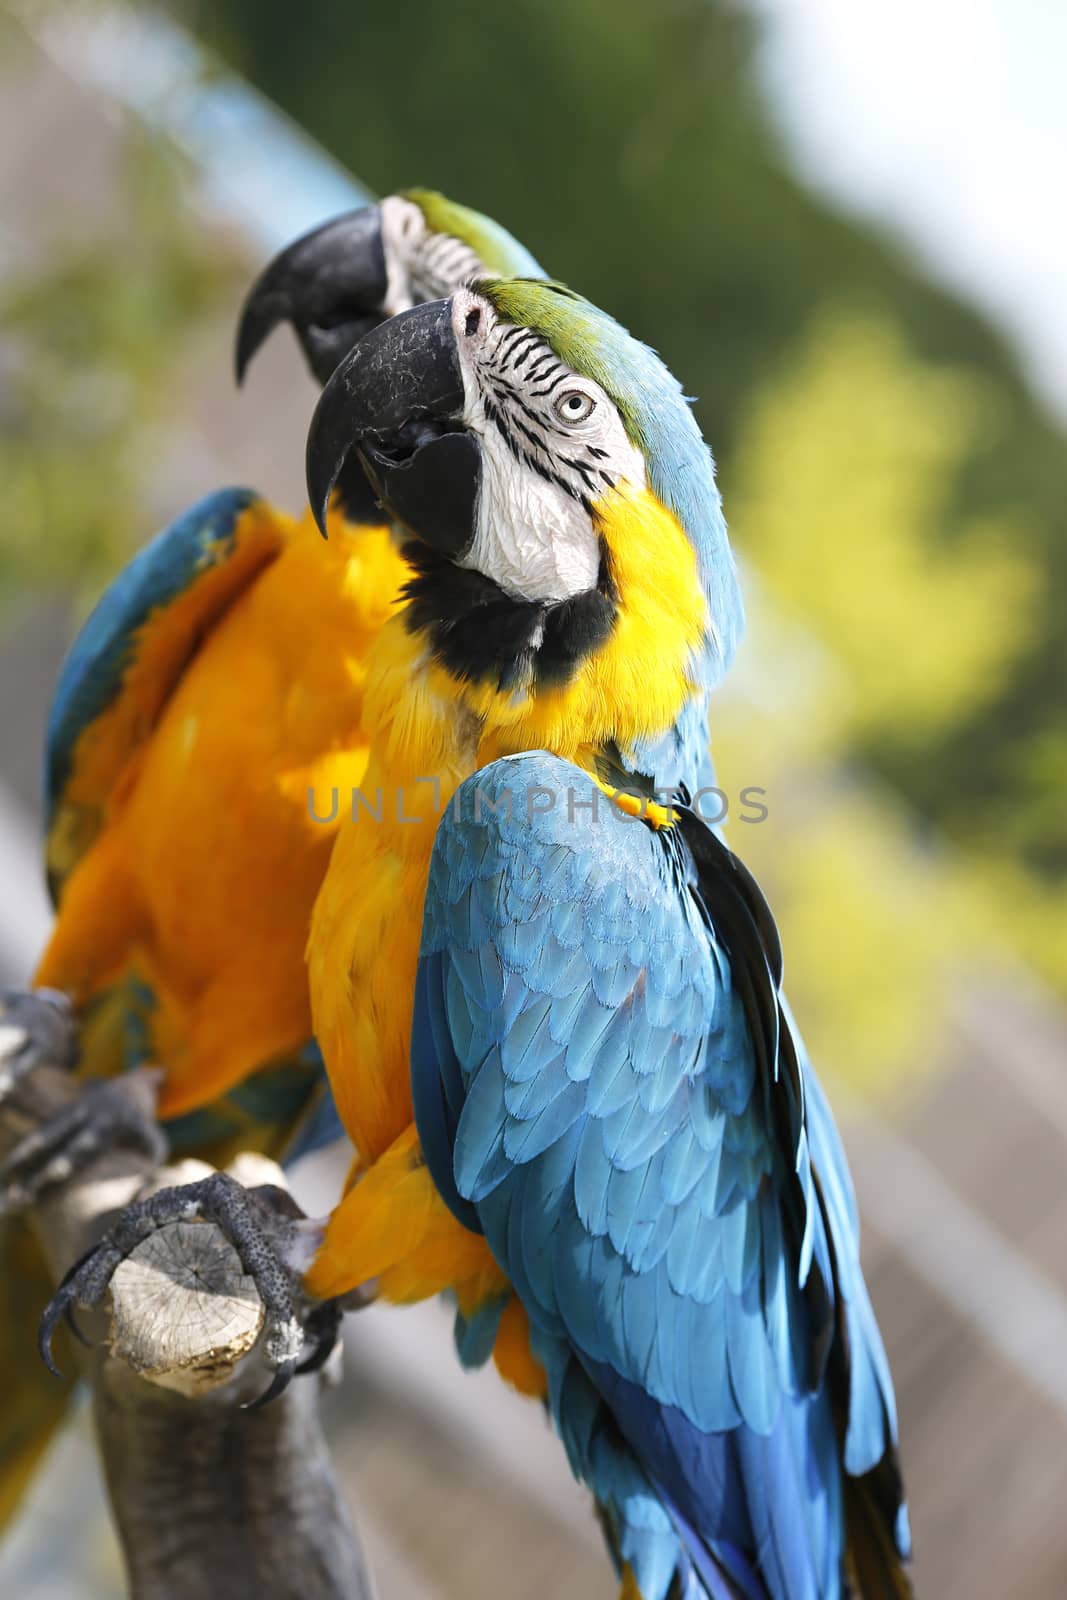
point(108, 1113)
point(37, 1028)
point(249, 1219)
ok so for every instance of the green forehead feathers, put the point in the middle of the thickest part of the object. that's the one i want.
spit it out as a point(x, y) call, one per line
point(503, 255)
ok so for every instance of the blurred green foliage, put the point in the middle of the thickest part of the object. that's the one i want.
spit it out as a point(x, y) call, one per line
point(94, 335)
point(843, 483)
point(871, 634)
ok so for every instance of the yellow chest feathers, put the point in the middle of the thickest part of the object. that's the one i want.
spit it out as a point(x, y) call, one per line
point(427, 733)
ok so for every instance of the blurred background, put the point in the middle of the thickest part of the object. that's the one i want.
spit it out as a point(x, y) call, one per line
point(844, 228)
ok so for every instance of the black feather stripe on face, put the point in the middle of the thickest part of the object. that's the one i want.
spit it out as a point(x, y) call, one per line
point(479, 633)
point(520, 373)
point(439, 262)
point(531, 454)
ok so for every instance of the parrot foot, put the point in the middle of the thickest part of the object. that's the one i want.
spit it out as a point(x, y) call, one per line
point(37, 1028)
point(108, 1113)
point(269, 1233)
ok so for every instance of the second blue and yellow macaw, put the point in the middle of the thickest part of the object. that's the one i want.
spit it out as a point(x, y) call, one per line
point(217, 685)
point(577, 1096)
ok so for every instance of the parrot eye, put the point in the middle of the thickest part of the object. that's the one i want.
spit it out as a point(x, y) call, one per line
point(574, 405)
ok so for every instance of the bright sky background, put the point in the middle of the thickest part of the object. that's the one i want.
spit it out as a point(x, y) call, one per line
point(947, 119)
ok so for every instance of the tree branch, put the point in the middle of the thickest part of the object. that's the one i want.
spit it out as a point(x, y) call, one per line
point(208, 1498)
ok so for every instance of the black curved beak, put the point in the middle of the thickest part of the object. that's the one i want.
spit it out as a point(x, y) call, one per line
point(397, 399)
point(331, 285)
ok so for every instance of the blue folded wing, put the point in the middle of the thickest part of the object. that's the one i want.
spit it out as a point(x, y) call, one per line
point(131, 651)
point(613, 1096)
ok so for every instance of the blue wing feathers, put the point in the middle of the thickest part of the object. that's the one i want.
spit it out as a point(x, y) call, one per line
point(628, 1119)
point(437, 1087)
point(526, 1139)
point(475, 1335)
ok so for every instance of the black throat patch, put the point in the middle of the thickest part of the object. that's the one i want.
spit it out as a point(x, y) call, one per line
point(480, 633)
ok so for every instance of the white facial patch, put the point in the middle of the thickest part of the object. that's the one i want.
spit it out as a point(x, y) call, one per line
point(531, 539)
point(420, 264)
point(552, 444)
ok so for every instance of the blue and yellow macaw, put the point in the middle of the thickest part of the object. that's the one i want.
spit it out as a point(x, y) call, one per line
point(217, 685)
point(577, 1097)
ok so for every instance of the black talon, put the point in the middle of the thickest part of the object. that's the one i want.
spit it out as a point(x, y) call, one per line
point(278, 1385)
point(72, 1323)
point(51, 1317)
point(322, 1328)
point(44, 1340)
point(61, 1309)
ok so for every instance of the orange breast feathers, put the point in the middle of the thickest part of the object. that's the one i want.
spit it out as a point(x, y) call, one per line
point(364, 937)
point(203, 876)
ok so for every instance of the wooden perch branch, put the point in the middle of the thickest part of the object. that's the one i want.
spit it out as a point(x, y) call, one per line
point(182, 1312)
point(208, 1498)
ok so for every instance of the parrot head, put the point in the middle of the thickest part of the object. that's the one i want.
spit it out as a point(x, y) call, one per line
point(338, 282)
point(569, 549)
